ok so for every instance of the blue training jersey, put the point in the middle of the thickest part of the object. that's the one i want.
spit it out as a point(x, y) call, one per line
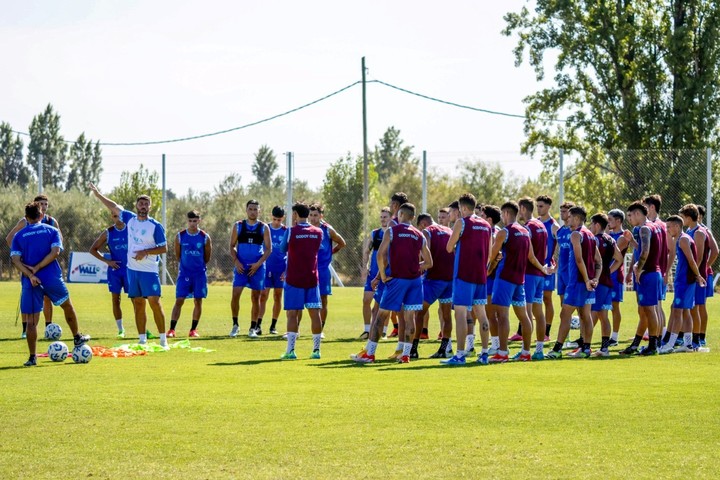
point(551, 240)
point(117, 242)
point(192, 251)
point(325, 253)
point(277, 261)
point(33, 243)
point(376, 237)
point(250, 241)
point(565, 250)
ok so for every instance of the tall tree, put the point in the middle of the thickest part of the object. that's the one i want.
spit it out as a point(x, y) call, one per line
point(85, 163)
point(265, 167)
point(133, 184)
point(13, 169)
point(391, 155)
point(45, 139)
point(628, 76)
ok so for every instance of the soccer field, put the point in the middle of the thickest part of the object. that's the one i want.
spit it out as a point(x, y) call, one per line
point(239, 412)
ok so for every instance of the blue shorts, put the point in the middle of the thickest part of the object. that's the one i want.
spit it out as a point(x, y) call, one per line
point(663, 289)
point(700, 296)
point(534, 286)
point(402, 293)
point(192, 285)
point(561, 285)
point(31, 298)
point(272, 279)
point(505, 294)
point(117, 280)
point(295, 298)
point(143, 284)
point(549, 285)
point(489, 285)
point(379, 292)
point(256, 282)
point(649, 291)
point(466, 294)
point(325, 281)
point(577, 295)
point(437, 290)
point(710, 287)
point(603, 298)
point(684, 295)
point(617, 291)
point(368, 283)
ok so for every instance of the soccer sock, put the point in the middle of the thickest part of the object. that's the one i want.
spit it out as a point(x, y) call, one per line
point(273, 324)
point(395, 326)
point(399, 346)
point(671, 341)
point(614, 336)
point(24, 326)
point(503, 352)
point(460, 353)
point(163, 338)
point(235, 321)
point(539, 347)
point(406, 349)
point(557, 347)
point(580, 341)
point(119, 324)
point(702, 336)
point(687, 339)
point(253, 325)
point(366, 329)
point(142, 338)
point(636, 341)
point(605, 344)
point(495, 342)
point(443, 345)
point(194, 324)
point(666, 336)
point(425, 331)
point(547, 329)
point(371, 347)
point(384, 330)
point(696, 338)
point(664, 331)
point(585, 347)
point(292, 336)
point(415, 344)
point(469, 343)
point(448, 349)
point(173, 324)
point(259, 322)
point(519, 330)
point(316, 341)
point(524, 352)
point(652, 344)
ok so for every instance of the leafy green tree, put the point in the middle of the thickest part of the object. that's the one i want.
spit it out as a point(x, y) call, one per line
point(45, 140)
point(13, 169)
point(629, 76)
point(265, 167)
point(133, 184)
point(391, 155)
point(85, 163)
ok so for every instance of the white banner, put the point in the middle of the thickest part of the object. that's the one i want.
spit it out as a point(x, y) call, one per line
point(84, 268)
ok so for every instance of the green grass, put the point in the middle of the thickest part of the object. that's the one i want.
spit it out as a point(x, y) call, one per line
point(240, 413)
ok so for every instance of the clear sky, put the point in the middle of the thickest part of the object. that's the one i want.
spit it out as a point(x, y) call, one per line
point(150, 70)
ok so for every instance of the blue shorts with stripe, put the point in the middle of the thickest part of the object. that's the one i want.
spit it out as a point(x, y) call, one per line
point(274, 279)
point(191, 285)
point(506, 293)
point(254, 282)
point(577, 295)
point(117, 280)
point(649, 290)
point(550, 280)
point(437, 290)
point(402, 293)
point(561, 285)
point(603, 298)
point(534, 287)
point(296, 298)
point(31, 298)
point(684, 295)
point(466, 294)
point(325, 281)
point(143, 284)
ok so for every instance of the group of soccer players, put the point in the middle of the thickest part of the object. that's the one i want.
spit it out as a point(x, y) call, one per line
point(478, 261)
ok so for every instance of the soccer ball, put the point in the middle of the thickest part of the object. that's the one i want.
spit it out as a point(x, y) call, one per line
point(82, 354)
point(57, 351)
point(575, 322)
point(53, 331)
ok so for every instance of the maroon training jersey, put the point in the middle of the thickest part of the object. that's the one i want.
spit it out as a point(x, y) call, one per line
point(471, 252)
point(703, 268)
point(406, 243)
point(606, 246)
point(662, 237)
point(302, 257)
point(538, 240)
point(652, 264)
point(442, 260)
point(588, 242)
point(515, 253)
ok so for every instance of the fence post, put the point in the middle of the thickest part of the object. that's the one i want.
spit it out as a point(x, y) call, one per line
point(424, 182)
point(562, 177)
point(366, 184)
point(163, 278)
point(40, 172)
point(289, 188)
point(708, 208)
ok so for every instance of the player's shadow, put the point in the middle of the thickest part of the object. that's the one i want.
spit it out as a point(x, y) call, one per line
point(246, 362)
point(342, 364)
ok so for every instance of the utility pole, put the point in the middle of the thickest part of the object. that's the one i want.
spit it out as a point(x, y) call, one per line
point(366, 188)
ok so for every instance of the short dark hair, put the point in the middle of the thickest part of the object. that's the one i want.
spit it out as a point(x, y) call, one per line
point(579, 211)
point(654, 200)
point(675, 219)
point(386, 210)
point(601, 219)
point(467, 199)
point(567, 205)
point(278, 211)
point(544, 199)
point(527, 203)
point(424, 217)
point(690, 210)
point(399, 197)
point(193, 214)
point(493, 213)
point(408, 207)
point(33, 211)
point(701, 209)
point(444, 210)
point(143, 197)
point(316, 207)
point(617, 213)
point(252, 202)
point(301, 209)
point(511, 206)
point(454, 205)
point(40, 198)
point(637, 206)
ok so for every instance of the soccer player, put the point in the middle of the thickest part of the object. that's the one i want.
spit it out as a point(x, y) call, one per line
point(444, 217)
point(612, 260)
point(667, 251)
point(699, 235)
point(616, 218)
point(44, 203)
point(34, 251)
point(508, 289)
point(686, 280)
point(373, 277)
point(396, 200)
point(585, 268)
point(193, 248)
point(146, 242)
point(250, 246)
point(710, 287)
point(400, 269)
point(437, 284)
point(325, 255)
point(302, 244)
point(275, 271)
point(116, 239)
point(543, 204)
point(534, 278)
point(492, 215)
point(562, 237)
point(647, 279)
point(471, 240)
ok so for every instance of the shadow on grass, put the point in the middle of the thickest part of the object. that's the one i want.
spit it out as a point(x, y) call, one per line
point(246, 362)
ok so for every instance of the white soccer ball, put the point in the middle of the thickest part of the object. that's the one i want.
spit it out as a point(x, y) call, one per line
point(82, 354)
point(57, 351)
point(575, 322)
point(53, 332)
